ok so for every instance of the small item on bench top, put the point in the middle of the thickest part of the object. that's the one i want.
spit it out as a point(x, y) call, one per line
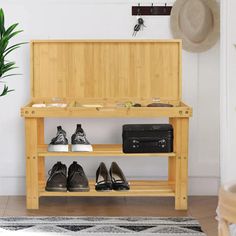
point(39, 105)
point(157, 104)
point(137, 105)
point(92, 105)
point(60, 105)
point(128, 104)
point(131, 104)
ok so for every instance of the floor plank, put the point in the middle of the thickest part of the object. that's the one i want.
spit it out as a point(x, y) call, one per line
point(1, 212)
point(3, 202)
point(202, 208)
point(209, 225)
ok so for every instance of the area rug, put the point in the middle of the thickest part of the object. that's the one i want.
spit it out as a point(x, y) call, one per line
point(92, 226)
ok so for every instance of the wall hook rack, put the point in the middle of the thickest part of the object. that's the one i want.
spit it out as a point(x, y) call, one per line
point(151, 10)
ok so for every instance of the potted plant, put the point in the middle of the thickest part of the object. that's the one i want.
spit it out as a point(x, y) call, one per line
point(6, 67)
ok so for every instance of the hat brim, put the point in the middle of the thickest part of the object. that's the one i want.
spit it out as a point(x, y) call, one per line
point(211, 38)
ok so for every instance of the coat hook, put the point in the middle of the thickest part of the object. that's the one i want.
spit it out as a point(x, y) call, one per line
point(151, 9)
point(165, 7)
point(138, 10)
point(138, 13)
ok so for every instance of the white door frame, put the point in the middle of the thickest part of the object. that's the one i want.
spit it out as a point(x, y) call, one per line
point(224, 89)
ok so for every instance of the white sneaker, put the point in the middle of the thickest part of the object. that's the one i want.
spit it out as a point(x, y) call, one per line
point(60, 142)
point(79, 141)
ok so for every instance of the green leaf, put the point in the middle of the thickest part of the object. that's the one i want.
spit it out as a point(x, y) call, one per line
point(15, 45)
point(7, 67)
point(2, 22)
point(10, 29)
point(5, 91)
point(3, 45)
point(5, 41)
point(12, 48)
point(9, 75)
point(9, 51)
point(12, 34)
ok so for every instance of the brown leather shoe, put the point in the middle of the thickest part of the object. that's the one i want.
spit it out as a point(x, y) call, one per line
point(77, 180)
point(57, 179)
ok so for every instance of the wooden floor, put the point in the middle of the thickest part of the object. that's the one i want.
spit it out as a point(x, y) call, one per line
point(202, 208)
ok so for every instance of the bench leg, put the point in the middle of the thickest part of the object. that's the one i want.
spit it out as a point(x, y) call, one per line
point(32, 192)
point(178, 167)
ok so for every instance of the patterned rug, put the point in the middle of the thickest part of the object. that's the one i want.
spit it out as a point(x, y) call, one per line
point(107, 226)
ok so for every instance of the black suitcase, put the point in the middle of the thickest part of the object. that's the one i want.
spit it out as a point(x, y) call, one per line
point(147, 138)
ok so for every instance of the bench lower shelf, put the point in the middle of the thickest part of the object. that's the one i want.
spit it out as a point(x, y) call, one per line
point(137, 189)
point(100, 150)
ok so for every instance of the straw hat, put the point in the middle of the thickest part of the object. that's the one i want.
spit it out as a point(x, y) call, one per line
point(196, 22)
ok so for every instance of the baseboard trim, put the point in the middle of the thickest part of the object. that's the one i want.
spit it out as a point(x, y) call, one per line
point(204, 186)
point(12, 186)
point(207, 186)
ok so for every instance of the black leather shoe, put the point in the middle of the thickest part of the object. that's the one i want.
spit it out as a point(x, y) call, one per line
point(57, 179)
point(103, 180)
point(77, 180)
point(119, 182)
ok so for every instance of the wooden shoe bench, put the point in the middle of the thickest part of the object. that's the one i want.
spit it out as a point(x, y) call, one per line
point(107, 73)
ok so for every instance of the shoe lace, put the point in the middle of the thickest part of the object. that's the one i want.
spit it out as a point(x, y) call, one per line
point(58, 168)
point(62, 132)
point(79, 171)
point(60, 136)
point(81, 137)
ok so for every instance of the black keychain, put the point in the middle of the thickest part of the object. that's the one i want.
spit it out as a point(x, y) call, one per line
point(139, 26)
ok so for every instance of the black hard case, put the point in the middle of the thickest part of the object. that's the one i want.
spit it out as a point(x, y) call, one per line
point(147, 138)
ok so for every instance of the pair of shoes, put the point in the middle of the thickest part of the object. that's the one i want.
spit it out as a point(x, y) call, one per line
point(59, 182)
point(115, 179)
point(78, 140)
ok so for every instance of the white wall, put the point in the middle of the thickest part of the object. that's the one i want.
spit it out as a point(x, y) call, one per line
point(70, 19)
point(228, 94)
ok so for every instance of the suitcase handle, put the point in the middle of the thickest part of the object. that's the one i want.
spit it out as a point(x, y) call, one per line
point(149, 142)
